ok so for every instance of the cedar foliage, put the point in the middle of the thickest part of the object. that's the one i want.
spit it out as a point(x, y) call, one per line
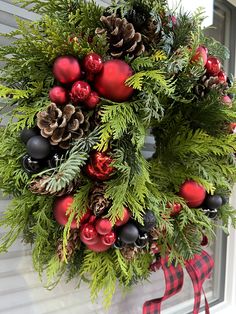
point(192, 141)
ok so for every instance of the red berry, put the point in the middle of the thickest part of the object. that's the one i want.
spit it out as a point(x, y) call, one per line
point(59, 95)
point(93, 63)
point(103, 226)
point(213, 66)
point(109, 239)
point(222, 77)
point(124, 219)
point(80, 91)
point(92, 101)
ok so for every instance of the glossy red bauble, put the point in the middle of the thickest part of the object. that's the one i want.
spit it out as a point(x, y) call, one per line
point(213, 66)
point(222, 77)
point(93, 63)
point(59, 95)
point(66, 69)
point(227, 100)
point(109, 239)
point(99, 246)
point(80, 91)
point(200, 55)
point(193, 193)
point(92, 101)
point(110, 82)
point(88, 234)
point(60, 210)
point(99, 167)
point(103, 226)
point(122, 221)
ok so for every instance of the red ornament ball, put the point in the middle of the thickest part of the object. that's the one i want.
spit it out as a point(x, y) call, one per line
point(110, 82)
point(222, 77)
point(103, 226)
point(99, 246)
point(80, 91)
point(93, 63)
point(201, 54)
point(213, 66)
point(99, 167)
point(122, 221)
point(59, 95)
point(92, 101)
point(232, 127)
point(193, 193)
point(88, 234)
point(60, 211)
point(109, 239)
point(66, 69)
point(227, 100)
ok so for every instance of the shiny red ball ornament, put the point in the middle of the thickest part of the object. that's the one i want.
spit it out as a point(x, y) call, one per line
point(80, 91)
point(110, 82)
point(99, 246)
point(175, 209)
point(99, 167)
point(109, 239)
point(88, 234)
point(103, 226)
point(213, 66)
point(92, 101)
point(122, 221)
point(200, 55)
point(222, 77)
point(66, 69)
point(93, 63)
point(193, 193)
point(59, 95)
point(60, 211)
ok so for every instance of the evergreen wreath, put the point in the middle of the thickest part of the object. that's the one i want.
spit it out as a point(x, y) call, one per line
point(84, 85)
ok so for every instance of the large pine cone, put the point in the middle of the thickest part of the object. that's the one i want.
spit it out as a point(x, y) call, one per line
point(123, 39)
point(207, 83)
point(72, 245)
point(98, 203)
point(61, 125)
point(39, 187)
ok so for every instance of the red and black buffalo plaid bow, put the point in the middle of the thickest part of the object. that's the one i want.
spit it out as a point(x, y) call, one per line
point(199, 269)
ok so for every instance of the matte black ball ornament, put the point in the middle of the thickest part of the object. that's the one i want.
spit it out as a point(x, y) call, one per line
point(149, 221)
point(38, 147)
point(129, 233)
point(213, 201)
point(30, 165)
point(26, 134)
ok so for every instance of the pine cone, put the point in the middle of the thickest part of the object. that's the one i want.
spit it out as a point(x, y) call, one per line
point(39, 187)
point(72, 245)
point(98, 203)
point(61, 125)
point(122, 37)
point(152, 32)
point(129, 252)
point(207, 83)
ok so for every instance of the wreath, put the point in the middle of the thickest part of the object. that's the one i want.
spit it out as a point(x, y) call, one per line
point(85, 85)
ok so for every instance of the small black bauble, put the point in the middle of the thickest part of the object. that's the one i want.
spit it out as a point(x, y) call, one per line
point(213, 213)
point(26, 134)
point(118, 244)
point(149, 221)
point(213, 201)
point(38, 147)
point(225, 200)
point(30, 165)
point(129, 233)
point(142, 241)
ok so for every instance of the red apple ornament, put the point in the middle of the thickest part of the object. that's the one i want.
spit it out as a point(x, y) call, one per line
point(99, 167)
point(92, 101)
point(122, 221)
point(201, 54)
point(80, 91)
point(110, 82)
point(66, 69)
point(222, 77)
point(193, 193)
point(213, 66)
point(60, 211)
point(88, 234)
point(103, 226)
point(99, 246)
point(59, 95)
point(93, 63)
point(109, 239)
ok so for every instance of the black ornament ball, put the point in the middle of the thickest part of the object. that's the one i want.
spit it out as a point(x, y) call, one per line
point(129, 233)
point(30, 165)
point(225, 200)
point(26, 134)
point(54, 160)
point(213, 201)
point(149, 221)
point(118, 244)
point(38, 147)
point(142, 241)
point(213, 213)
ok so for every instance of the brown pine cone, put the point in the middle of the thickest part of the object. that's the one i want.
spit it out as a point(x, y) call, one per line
point(72, 245)
point(98, 203)
point(207, 83)
point(129, 252)
point(151, 32)
point(61, 125)
point(123, 39)
point(39, 187)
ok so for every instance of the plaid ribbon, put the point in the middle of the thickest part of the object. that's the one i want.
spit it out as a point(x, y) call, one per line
point(199, 269)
